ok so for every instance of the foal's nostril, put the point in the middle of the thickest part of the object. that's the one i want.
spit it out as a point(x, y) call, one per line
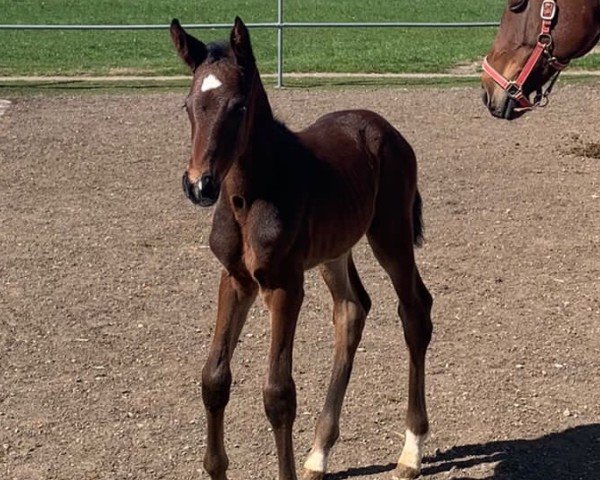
point(208, 187)
point(204, 192)
point(187, 186)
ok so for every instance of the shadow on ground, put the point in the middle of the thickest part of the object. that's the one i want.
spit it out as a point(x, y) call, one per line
point(570, 455)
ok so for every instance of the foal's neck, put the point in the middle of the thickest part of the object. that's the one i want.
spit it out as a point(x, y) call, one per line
point(268, 167)
point(269, 139)
point(271, 167)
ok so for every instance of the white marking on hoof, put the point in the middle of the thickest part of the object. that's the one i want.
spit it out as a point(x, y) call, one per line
point(4, 104)
point(210, 82)
point(412, 453)
point(316, 461)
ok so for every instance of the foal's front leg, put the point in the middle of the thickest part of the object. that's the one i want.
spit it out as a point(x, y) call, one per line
point(236, 295)
point(279, 391)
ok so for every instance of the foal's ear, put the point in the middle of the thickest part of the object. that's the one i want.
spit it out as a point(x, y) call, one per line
point(191, 50)
point(241, 46)
point(517, 5)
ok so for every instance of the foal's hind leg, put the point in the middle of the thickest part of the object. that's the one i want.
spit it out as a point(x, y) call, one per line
point(392, 244)
point(236, 295)
point(351, 305)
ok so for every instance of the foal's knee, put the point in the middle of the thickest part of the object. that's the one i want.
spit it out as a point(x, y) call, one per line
point(279, 397)
point(216, 384)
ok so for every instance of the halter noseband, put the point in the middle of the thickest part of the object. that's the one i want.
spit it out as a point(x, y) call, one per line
point(514, 88)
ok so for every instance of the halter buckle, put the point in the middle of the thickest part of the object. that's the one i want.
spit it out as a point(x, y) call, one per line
point(548, 10)
point(513, 90)
point(546, 40)
point(556, 63)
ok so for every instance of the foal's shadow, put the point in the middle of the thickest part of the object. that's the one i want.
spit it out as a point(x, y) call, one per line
point(570, 455)
point(361, 472)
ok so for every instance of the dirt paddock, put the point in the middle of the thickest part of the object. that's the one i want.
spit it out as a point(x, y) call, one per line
point(107, 296)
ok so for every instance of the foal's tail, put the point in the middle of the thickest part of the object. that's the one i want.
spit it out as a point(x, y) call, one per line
point(417, 217)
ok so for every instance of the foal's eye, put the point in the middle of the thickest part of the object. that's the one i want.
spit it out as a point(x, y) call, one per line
point(238, 107)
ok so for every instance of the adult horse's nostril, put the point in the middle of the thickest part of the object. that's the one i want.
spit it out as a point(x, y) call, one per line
point(485, 96)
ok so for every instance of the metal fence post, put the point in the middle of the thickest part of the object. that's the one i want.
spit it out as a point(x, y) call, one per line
point(279, 43)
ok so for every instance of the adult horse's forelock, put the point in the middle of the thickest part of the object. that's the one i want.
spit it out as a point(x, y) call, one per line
point(517, 5)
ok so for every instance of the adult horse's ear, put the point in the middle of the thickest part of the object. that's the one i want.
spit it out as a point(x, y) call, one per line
point(191, 50)
point(241, 46)
point(517, 5)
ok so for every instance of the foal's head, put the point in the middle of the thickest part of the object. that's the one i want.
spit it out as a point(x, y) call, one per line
point(221, 106)
point(573, 31)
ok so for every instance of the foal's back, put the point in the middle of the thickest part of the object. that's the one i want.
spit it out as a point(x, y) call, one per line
point(358, 156)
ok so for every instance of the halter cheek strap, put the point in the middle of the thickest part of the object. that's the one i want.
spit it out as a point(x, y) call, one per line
point(514, 88)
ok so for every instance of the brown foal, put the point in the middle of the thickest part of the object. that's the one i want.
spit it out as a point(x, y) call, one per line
point(287, 202)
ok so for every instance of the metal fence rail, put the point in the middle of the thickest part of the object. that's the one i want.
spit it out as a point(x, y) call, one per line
point(280, 25)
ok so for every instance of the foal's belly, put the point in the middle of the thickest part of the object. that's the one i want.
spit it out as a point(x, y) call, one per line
point(337, 222)
point(346, 146)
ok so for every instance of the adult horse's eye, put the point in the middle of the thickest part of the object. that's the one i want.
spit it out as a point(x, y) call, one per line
point(517, 5)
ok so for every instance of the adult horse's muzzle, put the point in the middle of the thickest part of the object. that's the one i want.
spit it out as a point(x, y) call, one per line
point(501, 104)
point(509, 110)
point(204, 192)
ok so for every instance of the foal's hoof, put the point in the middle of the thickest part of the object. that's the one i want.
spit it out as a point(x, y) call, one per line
point(403, 472)
point(312, 475)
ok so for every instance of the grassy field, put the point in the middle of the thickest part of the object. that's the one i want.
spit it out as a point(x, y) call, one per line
point(306, 50)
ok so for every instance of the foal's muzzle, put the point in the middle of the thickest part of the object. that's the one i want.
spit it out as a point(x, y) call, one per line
point(204, 192)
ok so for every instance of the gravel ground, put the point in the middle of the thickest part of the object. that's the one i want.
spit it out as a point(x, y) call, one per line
point(107, 296)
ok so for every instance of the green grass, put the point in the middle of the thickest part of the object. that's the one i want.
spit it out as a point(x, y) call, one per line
point(306, 50)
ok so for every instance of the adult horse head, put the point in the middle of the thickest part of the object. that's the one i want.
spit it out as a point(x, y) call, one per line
point(535, 41)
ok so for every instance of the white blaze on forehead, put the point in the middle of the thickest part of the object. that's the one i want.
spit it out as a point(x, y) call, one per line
point(210, 82)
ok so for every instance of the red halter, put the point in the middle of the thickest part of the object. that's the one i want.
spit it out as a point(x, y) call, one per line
point(514, 88)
